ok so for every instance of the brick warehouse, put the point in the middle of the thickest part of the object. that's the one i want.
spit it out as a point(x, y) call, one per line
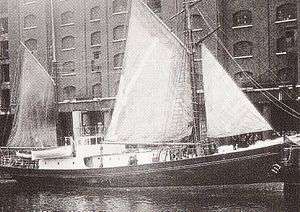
point(89, 38)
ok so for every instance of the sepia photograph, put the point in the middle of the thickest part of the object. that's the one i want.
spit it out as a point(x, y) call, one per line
point(150, 105)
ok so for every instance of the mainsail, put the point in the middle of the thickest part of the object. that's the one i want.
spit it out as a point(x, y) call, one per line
point(154, 98)
point(229, 112)
point(35, 118)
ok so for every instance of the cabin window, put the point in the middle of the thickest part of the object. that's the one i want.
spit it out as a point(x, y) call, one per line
point(119, 6)
point(30, 21)
point(31, 44)
point(118, 60)
point(67, 17)
point(119, 32)
point(68, 42)
point(286, 42)
point(68, 67)
point(3, 25)
point(242, 49)
point(286, 12)
point(155, 5)
point(97, 91)
point(95, 13)
point(96, 38)
point(69, 92)
point(242, 17)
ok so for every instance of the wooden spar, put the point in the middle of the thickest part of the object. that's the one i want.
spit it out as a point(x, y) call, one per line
point(193, 78)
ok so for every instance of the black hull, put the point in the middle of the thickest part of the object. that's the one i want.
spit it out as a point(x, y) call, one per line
point(245, 167)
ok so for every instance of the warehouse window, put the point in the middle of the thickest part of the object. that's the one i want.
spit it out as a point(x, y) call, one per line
point(285, 75)
point(242, 49)
point(4, 52)
point(95, 13)
point(69, 92)
point(68, 67)
point(31, 44)
point(242, 17)
point(119, 6)
point(286, 42)
point(197, 21)
point(67, 18)
point(119, 32)
point(286, 12)
point(243, 77)
point(97, 91)
point(30, 21)
point(155, 5)
point(118, 60)
point(95, 38)
point(68, 42)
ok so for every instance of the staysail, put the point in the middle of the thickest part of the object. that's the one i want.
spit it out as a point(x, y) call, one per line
point(229, 112)
point(35, 118)
point(154, 98)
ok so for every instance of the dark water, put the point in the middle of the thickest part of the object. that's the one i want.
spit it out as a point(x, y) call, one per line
point(14, 197)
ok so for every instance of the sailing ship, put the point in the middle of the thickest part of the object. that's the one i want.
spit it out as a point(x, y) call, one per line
point(153, 137)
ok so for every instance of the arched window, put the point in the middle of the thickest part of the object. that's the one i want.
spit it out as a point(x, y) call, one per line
point(30, 21)
point(286, 75)
point(242, 17)
point(31, 44)
point(118, 60)
point(119, 6)
point(242, 48)
point(286, 12)
point(67, 17)
point(69, 92)
point(95, 38)
point(68, 42)
point(119, 32)
point(97, 90)
point(155, 5)
point(68, 67)
point(243, 77)
point(95, 13)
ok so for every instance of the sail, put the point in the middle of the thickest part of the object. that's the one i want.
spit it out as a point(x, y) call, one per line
point(35, 118)
point(229, 112)
point(154, 97)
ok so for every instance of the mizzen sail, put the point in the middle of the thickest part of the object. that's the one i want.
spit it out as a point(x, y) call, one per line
point(229, 112)
point(154, 98)
point(35, 119)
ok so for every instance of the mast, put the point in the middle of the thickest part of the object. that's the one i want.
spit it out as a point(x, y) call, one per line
point(193, 74)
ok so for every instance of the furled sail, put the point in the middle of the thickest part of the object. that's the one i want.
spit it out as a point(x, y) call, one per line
point(154, 98)
point(35, 118)
point(229, 112)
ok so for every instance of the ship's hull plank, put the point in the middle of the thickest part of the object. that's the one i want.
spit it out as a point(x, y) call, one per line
point(245, 167)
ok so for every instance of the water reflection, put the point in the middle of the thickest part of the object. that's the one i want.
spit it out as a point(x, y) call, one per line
point(14, 197)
